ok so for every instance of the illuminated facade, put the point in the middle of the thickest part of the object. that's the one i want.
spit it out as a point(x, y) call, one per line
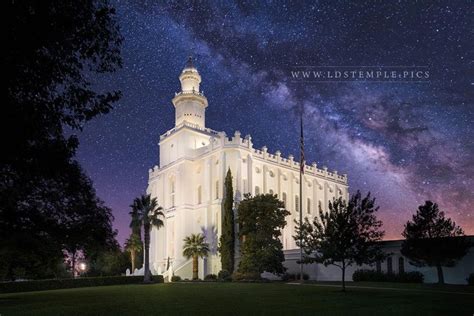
point(188, 182)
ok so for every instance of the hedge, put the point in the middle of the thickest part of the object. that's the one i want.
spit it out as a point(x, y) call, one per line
point(374, 276)
point(55, 284)
point(294, 277)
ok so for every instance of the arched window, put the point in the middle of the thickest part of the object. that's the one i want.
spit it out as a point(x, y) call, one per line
point(199, 195)
point(297, 203)
point(217, 189)
point(257, 190)
point(308, 205)
point(283, 197)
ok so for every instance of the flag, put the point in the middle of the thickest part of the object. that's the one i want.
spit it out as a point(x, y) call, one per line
point(302, 162)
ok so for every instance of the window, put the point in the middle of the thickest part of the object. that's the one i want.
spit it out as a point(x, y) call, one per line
point(297, 203)
point(257, 190)
point(283, 197)
point(271, 191)
point(320, 205)
point(401, 265)
point(172, 186)
point(389, 265)
point(199, 194)
point(308, 206)
point(217, 189)
point(172, 192)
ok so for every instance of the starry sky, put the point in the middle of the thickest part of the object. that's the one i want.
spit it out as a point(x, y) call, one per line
point(403, 142)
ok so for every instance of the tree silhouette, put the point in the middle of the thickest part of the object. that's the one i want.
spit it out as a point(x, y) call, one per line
point(51, 47)
point(433, 240)
point(227, 240)
point(348, 233)
point(148, 215)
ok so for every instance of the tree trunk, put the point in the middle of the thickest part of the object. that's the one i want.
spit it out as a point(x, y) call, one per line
point(440, 274)
point(343, 276)
point(147, 274)
point(195, 267)
point(74, 264)
point(132, 259)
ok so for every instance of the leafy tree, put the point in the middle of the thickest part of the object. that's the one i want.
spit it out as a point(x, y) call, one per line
point(133, 245)
point(349, 233)
point(260, 220)
point(433, 240)
point(227, 239)
point(51, 47)
point(148, 213)
point(87, 230)
point(195, 247)
point(109, 263)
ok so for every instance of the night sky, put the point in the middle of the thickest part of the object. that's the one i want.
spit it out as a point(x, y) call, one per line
point(404, 142)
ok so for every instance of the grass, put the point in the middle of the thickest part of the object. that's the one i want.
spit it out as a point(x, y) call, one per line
point(243, 299)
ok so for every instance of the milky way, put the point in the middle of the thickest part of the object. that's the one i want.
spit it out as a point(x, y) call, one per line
point(403, 142)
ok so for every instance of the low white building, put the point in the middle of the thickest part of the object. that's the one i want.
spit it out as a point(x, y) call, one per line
point(189, 181)
point(395, 263)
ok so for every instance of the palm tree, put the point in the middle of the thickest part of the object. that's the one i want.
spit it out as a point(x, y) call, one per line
point(146, 212)
point(133, 245)
point(195, 247)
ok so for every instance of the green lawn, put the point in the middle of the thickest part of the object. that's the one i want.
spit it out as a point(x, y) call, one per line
point(243, 299)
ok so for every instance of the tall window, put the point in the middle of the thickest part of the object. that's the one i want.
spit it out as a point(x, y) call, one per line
point(401, 265)
point(257, 190)
point(297, 203)
point(199, 194)
point(308, 206)
point(172, 194)
point(389, 265)
point(217, 189)
point(283, 197)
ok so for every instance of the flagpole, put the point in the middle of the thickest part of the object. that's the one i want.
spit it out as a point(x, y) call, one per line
point(301, 192)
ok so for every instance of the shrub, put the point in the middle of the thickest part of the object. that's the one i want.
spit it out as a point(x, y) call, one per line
point(470, 279)
point(210, 277)
point(374, 276)
point(224, 275)
point(294, 277)
point(54, 284)
point(175, 278)
point(245, 276)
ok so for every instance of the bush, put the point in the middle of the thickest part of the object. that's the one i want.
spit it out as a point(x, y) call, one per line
point(245, 276)
point(470, 279)
point(210, 277)
point(54, 284)
point(374, 276)
point(294, 277)
point(224, 275)
point(175, 278)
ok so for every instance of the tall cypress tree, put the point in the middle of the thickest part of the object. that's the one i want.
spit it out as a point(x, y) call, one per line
point(227, 240)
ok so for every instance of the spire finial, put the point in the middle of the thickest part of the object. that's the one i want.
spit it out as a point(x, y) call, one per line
point(189, 63)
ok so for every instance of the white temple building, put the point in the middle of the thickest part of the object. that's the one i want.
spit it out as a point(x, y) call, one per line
point(189, 182)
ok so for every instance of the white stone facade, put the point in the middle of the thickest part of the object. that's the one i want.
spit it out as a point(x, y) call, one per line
point(188, 182)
